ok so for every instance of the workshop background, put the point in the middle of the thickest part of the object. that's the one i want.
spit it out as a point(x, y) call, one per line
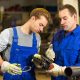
point(16, 12)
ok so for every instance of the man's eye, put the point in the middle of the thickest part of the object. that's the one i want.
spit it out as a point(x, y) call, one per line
point(40, 24)
point(65, 18)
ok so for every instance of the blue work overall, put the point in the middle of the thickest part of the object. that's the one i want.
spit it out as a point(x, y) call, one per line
point(22, 55)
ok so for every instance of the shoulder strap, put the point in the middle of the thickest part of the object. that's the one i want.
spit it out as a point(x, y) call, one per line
point(34, 40)
point(15, 36)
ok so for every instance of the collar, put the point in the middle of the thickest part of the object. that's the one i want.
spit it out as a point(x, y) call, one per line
point(76, 30)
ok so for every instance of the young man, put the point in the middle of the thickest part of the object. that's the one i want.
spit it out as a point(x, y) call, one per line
point(66, 42)
point(20, 44)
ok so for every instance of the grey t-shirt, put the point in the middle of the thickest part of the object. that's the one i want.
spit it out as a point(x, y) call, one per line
point(6, 37)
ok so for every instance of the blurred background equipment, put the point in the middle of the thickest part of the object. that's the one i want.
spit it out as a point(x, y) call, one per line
point(1, 13)
point(1, 17)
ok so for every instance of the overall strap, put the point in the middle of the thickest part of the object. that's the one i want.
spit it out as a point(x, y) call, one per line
point(15, 36)
point(34, 40)
point(14, 43)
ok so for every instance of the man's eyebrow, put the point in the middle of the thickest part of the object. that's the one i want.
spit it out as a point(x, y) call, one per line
point(63, 17)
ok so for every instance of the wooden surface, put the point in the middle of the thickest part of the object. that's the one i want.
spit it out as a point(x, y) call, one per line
point(42, 76)
point(1, 77)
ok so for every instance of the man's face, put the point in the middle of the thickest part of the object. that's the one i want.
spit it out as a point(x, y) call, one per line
point(39, 24)
point(68, 21)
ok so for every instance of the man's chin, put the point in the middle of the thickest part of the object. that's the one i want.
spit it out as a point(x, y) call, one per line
point(66, 30)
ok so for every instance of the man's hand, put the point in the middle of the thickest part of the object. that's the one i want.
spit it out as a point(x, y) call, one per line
point(50, 53)
point(11, 68)
point(56, 70)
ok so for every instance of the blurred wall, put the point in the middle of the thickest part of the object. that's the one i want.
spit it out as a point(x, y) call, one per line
point(8, 3)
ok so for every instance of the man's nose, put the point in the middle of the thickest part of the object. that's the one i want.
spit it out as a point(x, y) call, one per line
point(62, 22)
point(41, 29)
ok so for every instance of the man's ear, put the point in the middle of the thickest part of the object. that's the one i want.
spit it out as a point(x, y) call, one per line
point(75, 17)
point(33, 17)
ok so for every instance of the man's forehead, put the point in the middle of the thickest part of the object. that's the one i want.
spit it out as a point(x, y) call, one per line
point(64, 12)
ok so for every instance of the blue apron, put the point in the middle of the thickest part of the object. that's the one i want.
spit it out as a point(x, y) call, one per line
point(22, 55)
